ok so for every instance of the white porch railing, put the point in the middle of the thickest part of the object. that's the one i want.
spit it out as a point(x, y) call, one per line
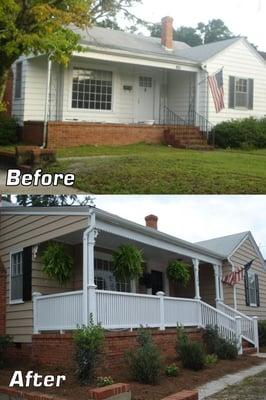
point(249, 328)
point(116, 310)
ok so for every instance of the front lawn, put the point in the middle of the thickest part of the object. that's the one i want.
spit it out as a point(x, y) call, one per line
point(157, 169)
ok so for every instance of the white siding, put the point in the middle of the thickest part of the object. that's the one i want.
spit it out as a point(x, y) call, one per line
point(241, 61)
point(180, 91)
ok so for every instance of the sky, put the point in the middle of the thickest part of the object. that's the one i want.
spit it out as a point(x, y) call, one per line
point(194, 218)
point(243, 17)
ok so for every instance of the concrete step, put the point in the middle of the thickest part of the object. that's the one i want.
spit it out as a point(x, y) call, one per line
point(249, 350)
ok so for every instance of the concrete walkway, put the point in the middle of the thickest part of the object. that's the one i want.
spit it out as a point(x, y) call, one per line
point(214, 387)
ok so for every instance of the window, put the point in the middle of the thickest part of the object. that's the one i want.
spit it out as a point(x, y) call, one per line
point(18, 80)
point(16, 276)
point(241, 93)
point(105, 278)
point(252, 289)
point(145, 82)
point(92, 90)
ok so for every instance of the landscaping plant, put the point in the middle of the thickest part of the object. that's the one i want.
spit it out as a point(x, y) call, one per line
point(262, 333)
point(5, 340)
point(191, 354)
point(89, 342)
point(128, 263)
point(104, 381)
point(172, 370)
point(215, 344)
point(211, 359)
point(145, 361)
point(57, 263)
point(8, 130)
point(179, 272)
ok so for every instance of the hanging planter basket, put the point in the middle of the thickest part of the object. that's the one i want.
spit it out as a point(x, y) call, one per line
point(57, 263)
point(128, 263)
point(179, 272)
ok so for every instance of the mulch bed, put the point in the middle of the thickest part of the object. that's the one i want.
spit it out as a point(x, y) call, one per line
point(186, 380)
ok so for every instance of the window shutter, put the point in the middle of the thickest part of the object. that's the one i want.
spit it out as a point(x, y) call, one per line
point(257, 290)
point(247, 289)
point(232, 92)
point(27, 274)
point(250, 94)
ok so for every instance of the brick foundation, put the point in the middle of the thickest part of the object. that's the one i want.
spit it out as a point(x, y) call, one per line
point(32, 133)
point(2, 299)
point(56, 350)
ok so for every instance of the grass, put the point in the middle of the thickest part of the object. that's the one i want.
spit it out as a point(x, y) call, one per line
point(157, 169)
point(8, 148)
point(251, 388)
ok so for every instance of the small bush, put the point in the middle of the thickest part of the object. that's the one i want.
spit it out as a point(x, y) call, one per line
point(5, 340)
point(172, 370)
point(215, 344)
point(8, 130)
point(191, 354)
point(241, 133)
point(104, 381)
point(211, 359)
point(145, 362)
point(262, 333)
point(89, 341)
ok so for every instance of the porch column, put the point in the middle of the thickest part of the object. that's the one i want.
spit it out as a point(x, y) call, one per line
point(196, 278)
point(217, 274)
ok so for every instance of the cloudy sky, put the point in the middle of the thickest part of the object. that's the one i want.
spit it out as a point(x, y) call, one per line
point(195, 218)
point(243, 17)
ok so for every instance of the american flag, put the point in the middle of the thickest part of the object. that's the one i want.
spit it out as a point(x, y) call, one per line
point(235, 277)
point(216, 83)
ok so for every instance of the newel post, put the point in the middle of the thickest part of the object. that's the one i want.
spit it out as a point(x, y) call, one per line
point(239, 335)
point(162, 319)
point(35, 312)
point(256, 333)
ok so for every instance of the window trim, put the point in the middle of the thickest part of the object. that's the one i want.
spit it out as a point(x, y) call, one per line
point(17, 301)
point(15, 81)
point(254, 305)
point(239, 107)
point(88, 110)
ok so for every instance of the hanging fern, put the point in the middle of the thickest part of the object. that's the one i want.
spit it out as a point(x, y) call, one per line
point(57, 264)
point(128, 263)
point(179, 272)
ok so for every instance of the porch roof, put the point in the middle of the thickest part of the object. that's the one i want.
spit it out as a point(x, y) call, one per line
point(122, 227)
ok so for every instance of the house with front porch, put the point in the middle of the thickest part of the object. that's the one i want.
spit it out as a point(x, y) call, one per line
point(125, 88)
point(34, 305)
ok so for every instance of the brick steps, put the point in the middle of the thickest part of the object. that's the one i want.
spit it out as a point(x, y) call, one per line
point(186, 139)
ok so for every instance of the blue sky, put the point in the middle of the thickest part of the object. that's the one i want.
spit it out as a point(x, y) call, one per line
point(195, 218)
point(243, 17)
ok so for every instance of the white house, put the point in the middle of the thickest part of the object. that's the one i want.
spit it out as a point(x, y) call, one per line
point(123, 78)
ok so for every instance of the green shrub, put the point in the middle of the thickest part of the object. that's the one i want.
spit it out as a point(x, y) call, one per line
point(191, 354)
point(104, 381)
point(5, 340)
point(241, 133)
point(145, 362)
point(172, 370)
point(89, 341)
point(211, 359)
point(215, 344)
point(8, 130)
point(262, 333)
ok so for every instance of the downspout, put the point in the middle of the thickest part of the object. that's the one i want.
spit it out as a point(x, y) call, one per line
point(88, 258)
point(46, 108)
point(234, 287)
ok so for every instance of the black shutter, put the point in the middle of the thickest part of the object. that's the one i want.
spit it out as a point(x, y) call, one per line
point(257, 290)
point(247, 289)
point(250, 94)
point(231, 103)
point(27, 273)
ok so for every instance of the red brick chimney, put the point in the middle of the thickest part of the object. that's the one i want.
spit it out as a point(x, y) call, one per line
point(167, 33)
point(151, 221)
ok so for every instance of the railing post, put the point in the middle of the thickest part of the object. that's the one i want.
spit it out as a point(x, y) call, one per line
point(162, 320)
point(256, 333)
point(200, 322)
point(239, 335)
point(34, 300)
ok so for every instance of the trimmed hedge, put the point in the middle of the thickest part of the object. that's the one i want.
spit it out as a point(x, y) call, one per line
point(8, 130)
point(241, 133)
point(262, 333)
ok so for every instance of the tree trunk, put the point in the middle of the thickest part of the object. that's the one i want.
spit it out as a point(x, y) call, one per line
point(4, 73)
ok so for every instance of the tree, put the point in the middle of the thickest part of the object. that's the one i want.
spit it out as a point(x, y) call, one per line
point(52, 200)
point(188, 35)
point(42, 27)
point(214, 31)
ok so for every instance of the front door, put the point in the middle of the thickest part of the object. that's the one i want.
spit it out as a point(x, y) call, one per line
point(156, 281)
point(145, 100)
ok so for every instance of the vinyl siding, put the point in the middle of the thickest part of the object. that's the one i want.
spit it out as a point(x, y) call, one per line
point(18, 232)
point(243, 255)
point(228, 290)
point(180, 84)
point(242, 62)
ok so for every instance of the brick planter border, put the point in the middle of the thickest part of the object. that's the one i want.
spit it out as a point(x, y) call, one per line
point(108, 391)
point(184, 395)
point(20, 394)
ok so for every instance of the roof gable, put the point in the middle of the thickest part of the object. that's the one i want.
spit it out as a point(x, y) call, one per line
point(224, 245)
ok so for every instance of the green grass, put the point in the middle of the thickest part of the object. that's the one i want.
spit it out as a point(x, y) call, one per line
point(8, 148)
point(159, 169)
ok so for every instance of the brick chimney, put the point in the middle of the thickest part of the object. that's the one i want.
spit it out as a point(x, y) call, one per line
point(167, 33)
point(151, 221)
